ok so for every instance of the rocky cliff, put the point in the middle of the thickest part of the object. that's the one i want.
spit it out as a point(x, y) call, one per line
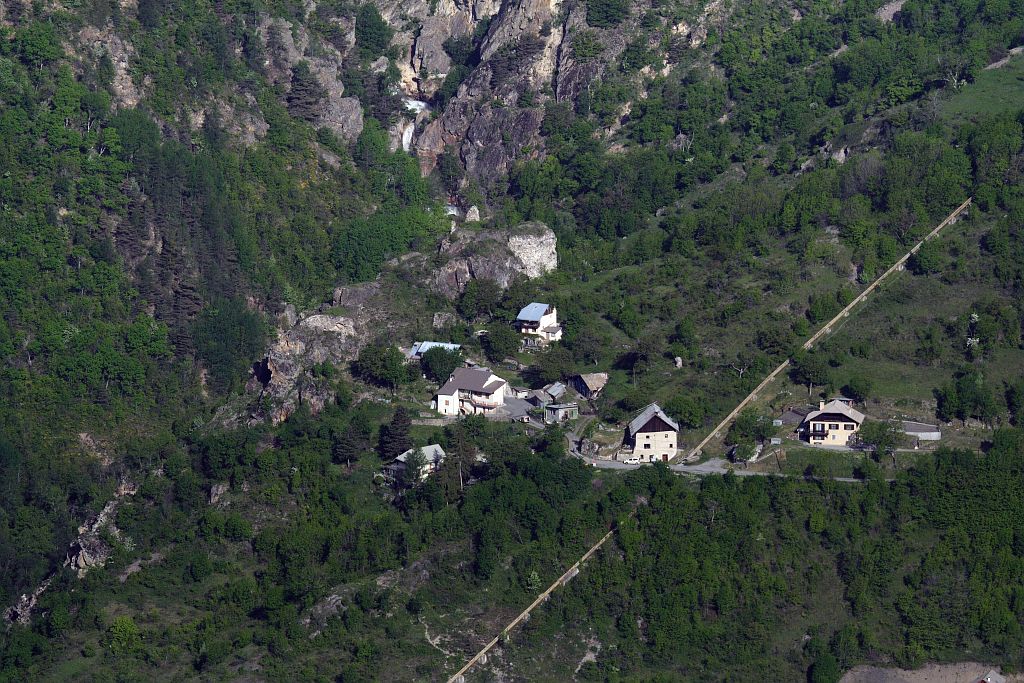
point(466, 255)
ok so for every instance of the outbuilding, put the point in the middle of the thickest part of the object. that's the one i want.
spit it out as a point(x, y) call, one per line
point(561, 412)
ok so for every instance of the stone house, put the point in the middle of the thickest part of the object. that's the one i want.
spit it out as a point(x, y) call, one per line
point(652, 435)
point(561, 412)
point(433, 456)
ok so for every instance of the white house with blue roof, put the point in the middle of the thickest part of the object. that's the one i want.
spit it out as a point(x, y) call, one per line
point(539, 320)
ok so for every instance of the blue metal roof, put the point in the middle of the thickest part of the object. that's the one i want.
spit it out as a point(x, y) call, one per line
point(420, 348)
point(532, 312)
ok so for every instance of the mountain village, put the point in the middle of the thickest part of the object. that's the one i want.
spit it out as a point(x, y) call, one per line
point(498, 392)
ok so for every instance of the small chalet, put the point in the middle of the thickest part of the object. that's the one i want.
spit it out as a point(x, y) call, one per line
point(560, 412)
point(540, 321)
point(433, 456)
point(832, 424)
point(590, 385)
point(652, 435)
point(421, 347)
point(470, 391)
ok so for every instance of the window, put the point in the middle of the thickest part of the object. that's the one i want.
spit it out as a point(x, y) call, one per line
point(647, 445)
point(848, 427)
point(671, 446)
point(833, 426)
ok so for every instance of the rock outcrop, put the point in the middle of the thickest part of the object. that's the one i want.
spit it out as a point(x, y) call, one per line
point(289, 44)
point(526, 50)
point(528, 251)
point(90, 549)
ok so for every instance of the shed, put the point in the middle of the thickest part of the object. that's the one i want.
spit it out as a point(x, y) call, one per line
point(561, 412)
point(590, 385)
point(795, 416)
point(538, 398)
point(922, 431)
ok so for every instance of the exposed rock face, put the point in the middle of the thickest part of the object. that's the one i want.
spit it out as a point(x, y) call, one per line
point(529, 251)
point(89, 549)
point(97, 42)
point(290, 44)
point(421, 40)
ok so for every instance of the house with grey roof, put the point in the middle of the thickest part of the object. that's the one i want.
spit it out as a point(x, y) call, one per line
point(832, 424)
point(470, 391)
point(556, 390)
point(652, 435)
point(433, 456)
point(540, 321)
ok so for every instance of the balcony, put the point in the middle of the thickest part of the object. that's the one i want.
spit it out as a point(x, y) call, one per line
point(480, 402)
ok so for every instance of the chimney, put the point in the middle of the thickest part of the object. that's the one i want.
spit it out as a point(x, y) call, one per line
point(821, 405)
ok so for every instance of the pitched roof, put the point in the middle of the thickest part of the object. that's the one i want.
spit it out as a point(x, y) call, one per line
point(555, 390)
point(594, 381)
point(431, 453)
point(838, 407)
point(532, 312)
point(471, 379)
point(653, 410)
point(420, 348)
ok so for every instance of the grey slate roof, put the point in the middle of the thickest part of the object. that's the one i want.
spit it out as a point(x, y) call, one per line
point(836, 406)
point(532, 312)
point(555, 390)
point(653, 410)
point(432, 454)
point(470, 379)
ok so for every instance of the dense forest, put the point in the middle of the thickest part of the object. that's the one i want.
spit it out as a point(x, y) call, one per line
point(172, 175)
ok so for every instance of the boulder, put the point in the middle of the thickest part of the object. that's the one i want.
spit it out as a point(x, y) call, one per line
point(527, 250)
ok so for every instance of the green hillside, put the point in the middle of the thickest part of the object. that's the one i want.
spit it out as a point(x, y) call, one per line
point(181, 181)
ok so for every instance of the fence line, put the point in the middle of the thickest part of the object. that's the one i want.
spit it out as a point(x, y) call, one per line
point(827, 327)
point(525, 614)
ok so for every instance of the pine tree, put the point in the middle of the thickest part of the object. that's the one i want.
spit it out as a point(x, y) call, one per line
point(306, 96)
point(394, 436)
